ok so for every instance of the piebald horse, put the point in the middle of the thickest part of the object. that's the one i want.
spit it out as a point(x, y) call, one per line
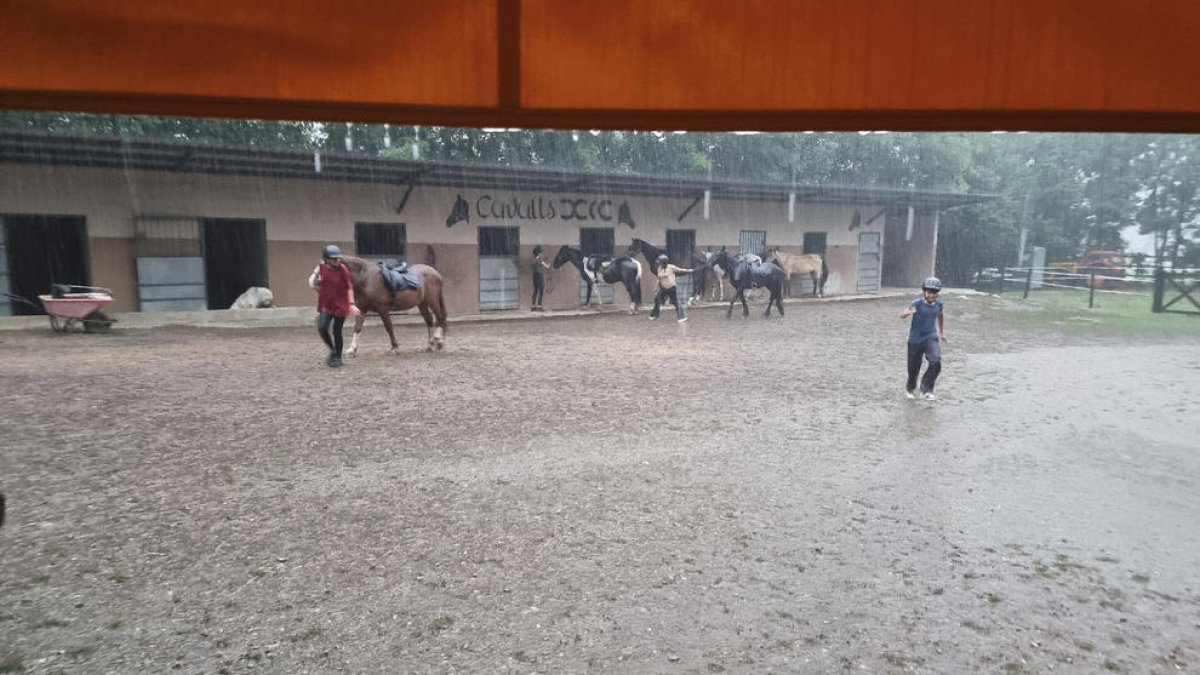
point(809, 263)
point(704, 280)
point(596, 268)
point(371, 294)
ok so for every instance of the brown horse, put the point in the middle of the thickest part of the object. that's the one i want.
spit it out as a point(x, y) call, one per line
point(810, 264)
point(372, 295)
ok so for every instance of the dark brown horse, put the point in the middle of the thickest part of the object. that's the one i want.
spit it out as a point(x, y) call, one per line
point(372, 295)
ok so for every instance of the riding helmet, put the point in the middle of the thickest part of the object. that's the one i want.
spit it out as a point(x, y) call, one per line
point(932, 284)
point(662, 259)
point(332, 251)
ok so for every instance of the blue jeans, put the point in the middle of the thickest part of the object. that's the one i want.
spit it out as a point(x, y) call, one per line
point(931, 350)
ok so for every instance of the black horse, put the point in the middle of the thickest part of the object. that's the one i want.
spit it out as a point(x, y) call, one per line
point(699, 262)
point(596, 268)
point(744, 275)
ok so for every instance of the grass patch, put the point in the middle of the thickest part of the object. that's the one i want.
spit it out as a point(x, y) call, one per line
point(119, 577)
point(1067, 310)
point(1013, 668)
point(1109, 664)
point(40, 579)
point(522, 657)
point(441, 623)
point(1141, 578)
point(53, 623)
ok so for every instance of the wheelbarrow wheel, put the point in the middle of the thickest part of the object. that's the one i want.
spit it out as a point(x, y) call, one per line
point(97, 322)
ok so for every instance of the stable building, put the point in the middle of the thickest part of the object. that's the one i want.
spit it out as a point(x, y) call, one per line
point(172, 227)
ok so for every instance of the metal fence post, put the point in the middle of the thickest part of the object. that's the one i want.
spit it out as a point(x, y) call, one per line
point(1000, 281)
point(1028, 283)
point(1092, 290)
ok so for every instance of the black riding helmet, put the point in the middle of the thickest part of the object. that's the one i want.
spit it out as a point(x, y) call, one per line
point(662, 259)
point(332, 251)
point(932, 284)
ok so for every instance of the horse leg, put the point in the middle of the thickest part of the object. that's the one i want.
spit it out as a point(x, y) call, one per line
point(358, 326)
point(438, 306)
point(745, 307)
point(387, 323)
point(428, 315)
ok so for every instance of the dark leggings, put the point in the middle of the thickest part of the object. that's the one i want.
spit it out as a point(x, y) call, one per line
point(323, 326)
point(931, 349)
point(667, 294)
point(539, 290)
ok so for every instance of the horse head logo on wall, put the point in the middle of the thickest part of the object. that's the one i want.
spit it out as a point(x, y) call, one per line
point(460, 212)
point(624, 217)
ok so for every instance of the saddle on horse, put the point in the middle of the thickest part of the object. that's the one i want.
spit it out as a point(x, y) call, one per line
point(399, 278)
point(597, 266)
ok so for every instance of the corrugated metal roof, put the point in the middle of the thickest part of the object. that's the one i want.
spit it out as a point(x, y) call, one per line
point(191, 158)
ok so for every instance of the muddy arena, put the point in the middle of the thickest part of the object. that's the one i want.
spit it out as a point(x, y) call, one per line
point(602, 493)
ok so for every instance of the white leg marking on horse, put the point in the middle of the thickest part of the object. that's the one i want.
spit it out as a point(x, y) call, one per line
point(353, 350)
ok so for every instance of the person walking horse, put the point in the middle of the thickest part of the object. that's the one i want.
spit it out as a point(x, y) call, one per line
point(335, 302)
point(666, 287)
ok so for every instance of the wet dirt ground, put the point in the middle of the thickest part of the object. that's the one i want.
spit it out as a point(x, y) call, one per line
point(602, 493)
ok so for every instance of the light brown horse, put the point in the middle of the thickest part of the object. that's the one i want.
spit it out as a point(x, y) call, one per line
point(372, 295)
point(794, 263)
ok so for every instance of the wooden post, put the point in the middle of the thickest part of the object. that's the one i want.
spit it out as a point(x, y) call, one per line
point(1091, 290)
point(1160, 278)
point(1028, 283)
point(1000, 281)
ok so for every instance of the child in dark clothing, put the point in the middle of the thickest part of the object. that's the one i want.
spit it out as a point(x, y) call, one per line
point(539, 279)
point(925, 335)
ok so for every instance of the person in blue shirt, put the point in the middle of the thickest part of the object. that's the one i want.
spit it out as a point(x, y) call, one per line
point(925, 335)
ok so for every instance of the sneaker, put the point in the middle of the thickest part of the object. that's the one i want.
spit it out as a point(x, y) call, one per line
point(910, 393)
point(929, 396)
point(335, 362)
point(654, 318)
point(683, 319)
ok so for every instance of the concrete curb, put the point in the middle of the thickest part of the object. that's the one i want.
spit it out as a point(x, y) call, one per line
point(291, 317)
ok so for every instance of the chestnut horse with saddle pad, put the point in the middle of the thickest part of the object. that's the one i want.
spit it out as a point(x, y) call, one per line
point(384, 290)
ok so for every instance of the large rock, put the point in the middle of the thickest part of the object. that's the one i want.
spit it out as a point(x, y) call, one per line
point(255, 297)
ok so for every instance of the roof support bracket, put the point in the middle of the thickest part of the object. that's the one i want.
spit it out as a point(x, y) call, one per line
point(404, 199)
point(690, 207)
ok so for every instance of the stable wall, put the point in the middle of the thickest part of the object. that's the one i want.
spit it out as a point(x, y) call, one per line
point(302, 216)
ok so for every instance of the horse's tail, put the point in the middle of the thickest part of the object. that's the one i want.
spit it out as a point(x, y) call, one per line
point(639, 268)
